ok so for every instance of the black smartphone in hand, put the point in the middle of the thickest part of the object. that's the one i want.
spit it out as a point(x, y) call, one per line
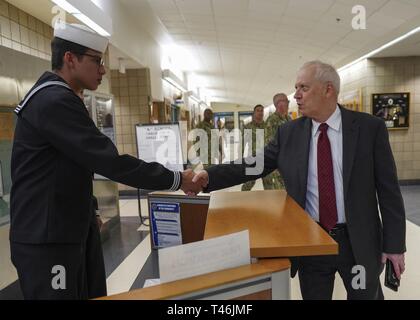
point(391, 280)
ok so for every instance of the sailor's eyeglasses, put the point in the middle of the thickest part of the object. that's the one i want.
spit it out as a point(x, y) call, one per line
point(98, 60)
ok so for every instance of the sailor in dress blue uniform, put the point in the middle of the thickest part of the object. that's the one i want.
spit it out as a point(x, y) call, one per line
point(57, 148)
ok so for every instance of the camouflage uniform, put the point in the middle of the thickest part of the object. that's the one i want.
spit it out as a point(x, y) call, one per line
point(254, 126)
point(207, 127)
point(274, 179)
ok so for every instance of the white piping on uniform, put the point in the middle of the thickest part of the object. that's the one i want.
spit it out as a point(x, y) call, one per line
point(36, 90)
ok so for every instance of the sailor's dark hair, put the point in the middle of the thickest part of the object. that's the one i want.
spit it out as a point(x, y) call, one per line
point(59, 47)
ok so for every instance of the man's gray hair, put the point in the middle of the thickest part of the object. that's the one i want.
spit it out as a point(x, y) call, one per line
point(325, 73)
point(278, 96)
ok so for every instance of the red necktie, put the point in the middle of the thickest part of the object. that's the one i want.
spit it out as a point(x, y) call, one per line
point(327, 202)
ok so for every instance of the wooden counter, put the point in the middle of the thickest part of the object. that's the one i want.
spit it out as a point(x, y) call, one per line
point(201, 283)
point(278, 226)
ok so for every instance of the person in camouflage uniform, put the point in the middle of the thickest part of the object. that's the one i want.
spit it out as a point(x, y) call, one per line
point(274, 121)
point(257, 123)
point(207, 126)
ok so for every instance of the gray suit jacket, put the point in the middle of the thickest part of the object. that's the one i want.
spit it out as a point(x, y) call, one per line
point(369, 177)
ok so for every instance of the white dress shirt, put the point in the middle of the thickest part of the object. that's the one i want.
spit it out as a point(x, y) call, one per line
point(335, 135)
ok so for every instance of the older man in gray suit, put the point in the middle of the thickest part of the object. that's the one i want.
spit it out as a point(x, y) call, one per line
point(338, 165)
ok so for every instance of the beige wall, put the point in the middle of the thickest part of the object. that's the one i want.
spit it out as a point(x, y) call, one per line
point(18, 73)
point(131, 36)
point(387, 75)
point(132, 94)
point(19, 33)
point(22, 32)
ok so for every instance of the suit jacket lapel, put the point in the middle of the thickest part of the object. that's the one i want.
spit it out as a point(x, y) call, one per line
point(303, 159)
point(350, 140)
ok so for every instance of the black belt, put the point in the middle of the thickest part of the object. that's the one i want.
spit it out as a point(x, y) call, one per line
point(339, 227)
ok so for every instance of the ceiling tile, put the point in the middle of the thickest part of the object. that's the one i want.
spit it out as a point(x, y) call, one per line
point(194, 6)
point(249, 49)
point(399, 10)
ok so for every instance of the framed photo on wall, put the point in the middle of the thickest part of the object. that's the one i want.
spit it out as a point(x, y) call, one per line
point(393, 108)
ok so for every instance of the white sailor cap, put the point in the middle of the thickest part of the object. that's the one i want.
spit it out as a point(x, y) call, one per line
point(81, 35)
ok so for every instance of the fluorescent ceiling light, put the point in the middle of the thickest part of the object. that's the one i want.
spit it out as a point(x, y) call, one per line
point(91, 24)
point(382, 48)
point(66, 6)
point(192, 95)
point(69, 8)
point(176, 85)
point(170, 77)
point(195, 99)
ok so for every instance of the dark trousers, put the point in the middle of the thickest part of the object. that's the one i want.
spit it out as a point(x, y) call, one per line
point(83, 266)
point(95, 266)
point(36, 263)
point(317, 274)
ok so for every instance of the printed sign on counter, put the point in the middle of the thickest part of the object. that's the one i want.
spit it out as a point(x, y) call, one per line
point(203, 257)
point(166, 224)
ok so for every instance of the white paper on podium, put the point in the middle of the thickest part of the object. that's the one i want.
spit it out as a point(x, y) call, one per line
point(203, 257)
point(151, 282)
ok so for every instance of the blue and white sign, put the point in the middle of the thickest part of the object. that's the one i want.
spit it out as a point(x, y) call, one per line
point(166, 224)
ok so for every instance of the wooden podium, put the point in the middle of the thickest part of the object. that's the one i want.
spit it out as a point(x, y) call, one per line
point(278, 229)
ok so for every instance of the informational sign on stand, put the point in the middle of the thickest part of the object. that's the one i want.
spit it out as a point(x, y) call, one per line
point(160, 143)
point(166, 224)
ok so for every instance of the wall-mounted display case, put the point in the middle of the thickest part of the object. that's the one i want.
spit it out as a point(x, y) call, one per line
point(101, 110)
point(393, 108)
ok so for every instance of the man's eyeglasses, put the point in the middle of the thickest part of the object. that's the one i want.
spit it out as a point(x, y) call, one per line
point(98, 60)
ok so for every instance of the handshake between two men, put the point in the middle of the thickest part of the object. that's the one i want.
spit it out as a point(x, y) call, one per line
point(194, 183)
